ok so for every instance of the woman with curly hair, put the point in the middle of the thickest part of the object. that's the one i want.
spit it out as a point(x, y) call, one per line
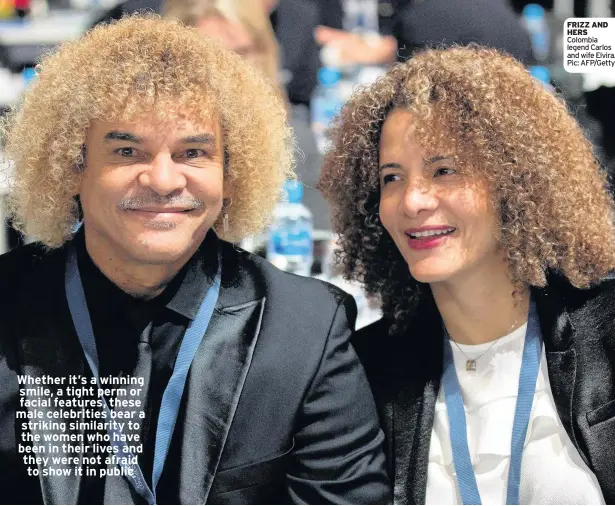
point(469, 201)
point(169, 146)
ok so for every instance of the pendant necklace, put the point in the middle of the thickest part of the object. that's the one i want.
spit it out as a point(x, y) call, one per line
point(471, 362)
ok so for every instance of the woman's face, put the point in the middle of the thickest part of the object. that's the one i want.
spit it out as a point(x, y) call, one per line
point(232, 34)
point(443, 224)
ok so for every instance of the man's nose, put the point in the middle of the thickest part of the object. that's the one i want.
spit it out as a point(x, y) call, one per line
point(163, 175)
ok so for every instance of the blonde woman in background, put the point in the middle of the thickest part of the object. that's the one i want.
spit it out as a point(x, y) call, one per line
point(241, 25)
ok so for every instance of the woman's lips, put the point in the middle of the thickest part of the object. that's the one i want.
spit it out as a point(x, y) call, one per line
point(428, 242)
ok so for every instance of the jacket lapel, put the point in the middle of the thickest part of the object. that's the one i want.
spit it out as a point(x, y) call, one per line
point(216, 380)
point(418, 366)
point(558, 333)
point(413, 421)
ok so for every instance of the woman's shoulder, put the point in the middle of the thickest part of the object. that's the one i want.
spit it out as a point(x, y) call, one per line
point(370, 338)
point(600, 294)
point(382, 353)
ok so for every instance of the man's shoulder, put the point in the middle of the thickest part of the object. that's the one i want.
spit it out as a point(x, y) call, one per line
point(28, 279)
point(277, 284)
point(304, 284)
point(299, 313)
point(21, 260)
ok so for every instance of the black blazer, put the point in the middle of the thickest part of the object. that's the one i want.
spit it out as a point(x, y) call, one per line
point(277, 408)
point(578, 327)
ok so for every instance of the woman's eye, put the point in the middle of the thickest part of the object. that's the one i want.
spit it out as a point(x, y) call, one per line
point(444, 171)
point(389, 178)
point(126, 152)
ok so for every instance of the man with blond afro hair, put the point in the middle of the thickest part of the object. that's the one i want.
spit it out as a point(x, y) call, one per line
point(143, 358)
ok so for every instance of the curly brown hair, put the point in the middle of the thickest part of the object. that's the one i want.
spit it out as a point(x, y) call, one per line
point(555, 209)
point(123, 71)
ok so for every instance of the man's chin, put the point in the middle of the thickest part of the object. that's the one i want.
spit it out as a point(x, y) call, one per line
point(159, 256)
point(161, 250)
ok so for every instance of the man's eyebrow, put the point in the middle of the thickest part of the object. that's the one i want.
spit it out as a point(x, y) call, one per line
point(438, 158)
point(114, 135)
point(199, 139)
point(391, 165)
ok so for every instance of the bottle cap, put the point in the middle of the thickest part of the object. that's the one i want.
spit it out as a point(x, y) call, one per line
point(533, 11)
point(28, 74)
point(541, 73)
point(294, 191)
point(328, 76)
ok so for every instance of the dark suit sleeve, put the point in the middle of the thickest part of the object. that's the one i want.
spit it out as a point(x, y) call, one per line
point(338, 455)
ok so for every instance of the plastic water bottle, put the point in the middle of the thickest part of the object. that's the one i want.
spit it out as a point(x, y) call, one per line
point(535, 21)
point(360, 16)
point(291, 235)
point(326, 103)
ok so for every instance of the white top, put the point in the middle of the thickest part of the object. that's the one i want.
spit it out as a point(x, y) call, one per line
point(552, 471)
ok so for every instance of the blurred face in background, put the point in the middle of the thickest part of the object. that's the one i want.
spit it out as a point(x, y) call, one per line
point(231, 33)
point(243, 26)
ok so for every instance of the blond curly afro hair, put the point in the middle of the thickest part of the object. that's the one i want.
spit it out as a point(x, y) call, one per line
point(122, 71)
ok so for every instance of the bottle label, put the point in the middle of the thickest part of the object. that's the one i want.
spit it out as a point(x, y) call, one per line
point(292, 242)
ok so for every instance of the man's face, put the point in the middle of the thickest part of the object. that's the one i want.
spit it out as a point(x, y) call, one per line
point(151, 190)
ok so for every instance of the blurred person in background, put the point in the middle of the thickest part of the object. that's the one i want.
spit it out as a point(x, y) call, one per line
point(167, 145)
point(242, 26)
point(379, 38)
point(491, 23)
point(405, 26)
point(468, 199)
point(294, 22)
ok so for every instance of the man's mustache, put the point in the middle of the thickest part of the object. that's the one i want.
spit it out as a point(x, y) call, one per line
point(139, 202)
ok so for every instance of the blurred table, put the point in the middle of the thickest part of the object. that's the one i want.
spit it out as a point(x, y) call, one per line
point(23, 42)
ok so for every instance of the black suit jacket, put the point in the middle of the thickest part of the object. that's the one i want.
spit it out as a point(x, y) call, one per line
point(277, 408)
point(578, 328)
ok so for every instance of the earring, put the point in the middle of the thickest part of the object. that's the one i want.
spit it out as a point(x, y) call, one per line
point(225, 225)
point(225, 220)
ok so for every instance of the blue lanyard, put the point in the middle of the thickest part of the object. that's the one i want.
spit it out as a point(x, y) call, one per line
point(173, 392)
point(530, 364)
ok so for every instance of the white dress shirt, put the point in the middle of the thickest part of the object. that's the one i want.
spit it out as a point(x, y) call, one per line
point(552, 471)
